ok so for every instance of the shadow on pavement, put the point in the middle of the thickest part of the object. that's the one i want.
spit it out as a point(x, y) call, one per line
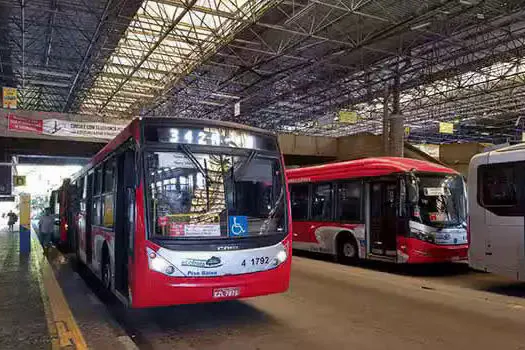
point(419, 270)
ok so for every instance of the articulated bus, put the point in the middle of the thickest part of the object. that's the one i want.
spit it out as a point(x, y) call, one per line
point(496, 201)
point(389, 209)
point(176, 211)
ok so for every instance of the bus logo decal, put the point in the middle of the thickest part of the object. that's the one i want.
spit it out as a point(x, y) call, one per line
point(212, 262)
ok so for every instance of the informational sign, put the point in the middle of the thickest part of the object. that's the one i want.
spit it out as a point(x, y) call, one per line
point(19, 180)
point(9, 98)
point(6, 179)
point(348, 117)
point(21, 124)
point(66, 128)
point(237, 109)
point(211, 230)
point(446, 128)
point(237, 226)
point(407, 131)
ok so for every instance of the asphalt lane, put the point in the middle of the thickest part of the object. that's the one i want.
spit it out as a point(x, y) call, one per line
point(331, 306)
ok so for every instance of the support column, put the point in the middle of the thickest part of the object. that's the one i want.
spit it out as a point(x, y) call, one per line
point(386, 123)
point(397, 123)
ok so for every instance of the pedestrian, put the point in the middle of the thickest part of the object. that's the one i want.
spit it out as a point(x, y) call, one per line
point(45, 228)
point(12, 218)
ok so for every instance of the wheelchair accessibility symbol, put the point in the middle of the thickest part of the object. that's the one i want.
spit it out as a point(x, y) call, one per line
point(238, 226)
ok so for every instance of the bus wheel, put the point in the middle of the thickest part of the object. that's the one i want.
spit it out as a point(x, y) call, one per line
point(106, 273)
point(347, 252)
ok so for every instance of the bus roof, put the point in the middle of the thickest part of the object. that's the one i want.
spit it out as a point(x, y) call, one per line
point(367, 167)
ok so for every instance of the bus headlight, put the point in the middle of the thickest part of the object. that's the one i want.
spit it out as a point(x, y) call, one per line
point(159, 264)
point(280, 258)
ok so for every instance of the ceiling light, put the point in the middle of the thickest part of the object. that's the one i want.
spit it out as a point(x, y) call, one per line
point(420, 26)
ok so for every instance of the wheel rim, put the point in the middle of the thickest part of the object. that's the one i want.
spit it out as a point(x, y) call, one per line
point(106, 276)
point(348, 250)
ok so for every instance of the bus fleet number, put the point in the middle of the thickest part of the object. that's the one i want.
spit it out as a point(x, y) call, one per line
point(263, 260)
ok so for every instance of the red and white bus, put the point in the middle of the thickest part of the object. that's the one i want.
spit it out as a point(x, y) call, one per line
point(390, 209)
point(176, 211)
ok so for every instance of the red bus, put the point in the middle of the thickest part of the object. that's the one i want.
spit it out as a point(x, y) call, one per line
point(176, 211)
point(389, 209)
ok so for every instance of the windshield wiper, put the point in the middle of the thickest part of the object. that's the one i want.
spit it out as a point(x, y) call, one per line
point(203, 170)
point(244, 166)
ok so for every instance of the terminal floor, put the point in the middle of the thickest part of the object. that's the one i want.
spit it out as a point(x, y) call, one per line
point(329, 306)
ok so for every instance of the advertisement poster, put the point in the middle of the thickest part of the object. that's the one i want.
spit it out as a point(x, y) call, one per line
point(9, 98)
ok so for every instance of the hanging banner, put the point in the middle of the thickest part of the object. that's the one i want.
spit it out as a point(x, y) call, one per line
point(347, 117)
point(446, 128)
point(65, 128)
point(22, 124)
point(9, 97)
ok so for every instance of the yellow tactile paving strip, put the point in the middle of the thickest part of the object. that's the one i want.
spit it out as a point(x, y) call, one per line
point(63, 328)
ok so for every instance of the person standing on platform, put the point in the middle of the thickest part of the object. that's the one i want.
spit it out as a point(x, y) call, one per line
point(12, 218)
point(45, 228)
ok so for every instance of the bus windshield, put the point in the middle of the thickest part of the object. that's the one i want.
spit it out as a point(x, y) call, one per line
point(442, 201)
point(214, 195)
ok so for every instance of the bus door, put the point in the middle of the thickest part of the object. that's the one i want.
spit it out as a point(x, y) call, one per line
point(125, 220)
point(382, 228)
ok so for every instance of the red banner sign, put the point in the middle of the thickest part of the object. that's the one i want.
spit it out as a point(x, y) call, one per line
point(21, 124)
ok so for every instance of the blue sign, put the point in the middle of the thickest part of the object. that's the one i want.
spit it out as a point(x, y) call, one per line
point(237, 226)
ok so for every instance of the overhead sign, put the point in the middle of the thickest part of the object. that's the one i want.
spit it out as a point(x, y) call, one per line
point(347, 117)
point(19, 180)
point(63, 128)
point(446, 128)
point(9, 98)
point(21, 124)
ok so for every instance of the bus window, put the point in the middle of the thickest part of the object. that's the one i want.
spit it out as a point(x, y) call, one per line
point(349, 201)
point(322, 202)
point(299, 201)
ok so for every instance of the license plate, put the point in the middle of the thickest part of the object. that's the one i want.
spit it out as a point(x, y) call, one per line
point(230, 292)
point(455, 258)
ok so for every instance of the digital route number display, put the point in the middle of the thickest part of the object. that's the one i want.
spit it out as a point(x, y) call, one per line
point(211, 137)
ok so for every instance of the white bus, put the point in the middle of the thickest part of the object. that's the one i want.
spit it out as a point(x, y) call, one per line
point(496, 198)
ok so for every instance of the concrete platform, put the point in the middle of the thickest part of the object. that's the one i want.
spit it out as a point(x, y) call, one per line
point(45, 304)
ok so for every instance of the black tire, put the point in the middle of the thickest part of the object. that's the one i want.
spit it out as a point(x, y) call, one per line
point(106, 273)
point(347, 250)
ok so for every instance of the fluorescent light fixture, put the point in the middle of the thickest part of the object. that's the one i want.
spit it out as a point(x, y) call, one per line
point(420, 26)
point(220, 94)
point(210, 103)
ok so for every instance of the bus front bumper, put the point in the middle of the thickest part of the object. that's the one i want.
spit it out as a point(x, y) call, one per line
point(156, 289)
point(416, 251)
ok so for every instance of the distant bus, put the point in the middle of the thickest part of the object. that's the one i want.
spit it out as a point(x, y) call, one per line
point(389, 209)
point(176, 211)
point(496, 212)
